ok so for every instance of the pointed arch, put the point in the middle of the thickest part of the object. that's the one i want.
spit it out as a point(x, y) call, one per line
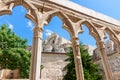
point(92, 29)
point(113, 37)
point(9, 5)
point(6, 9)
point(67, 23)
point(112, 34)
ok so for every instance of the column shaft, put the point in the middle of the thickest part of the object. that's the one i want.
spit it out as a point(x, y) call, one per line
point(106, 66)
point(77, 59)
point(36, 54)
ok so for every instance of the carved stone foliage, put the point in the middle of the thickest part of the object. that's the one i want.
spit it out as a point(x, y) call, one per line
point(6, 1)
point(5, 6)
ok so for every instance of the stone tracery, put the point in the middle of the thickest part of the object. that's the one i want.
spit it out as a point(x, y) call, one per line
point(71, 18)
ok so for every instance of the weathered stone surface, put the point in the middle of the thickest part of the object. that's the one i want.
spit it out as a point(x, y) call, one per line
point(115, 63)
point(53, 65)
point(86, 11)
point(72, 16)
point(113, 58)
point(89, 48)
point(9, 74)
point(109, 49)
point(55, 43)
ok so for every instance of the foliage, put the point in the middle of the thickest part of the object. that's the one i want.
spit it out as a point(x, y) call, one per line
point(13, 53)
point(91, 70)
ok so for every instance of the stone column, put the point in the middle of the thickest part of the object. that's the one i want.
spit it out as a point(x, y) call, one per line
point(36, 54)
point(106, 66)
point(77, 58)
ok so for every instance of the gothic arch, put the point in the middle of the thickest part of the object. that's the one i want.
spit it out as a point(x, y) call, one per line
point(99, 35)
point(112, 34)
point(8, 5)
point(64, 12)
point(113, 37)
point(67, 24)
point(33, 14)
point(92, 29)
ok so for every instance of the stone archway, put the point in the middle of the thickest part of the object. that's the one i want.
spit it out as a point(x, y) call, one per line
point(40, 12)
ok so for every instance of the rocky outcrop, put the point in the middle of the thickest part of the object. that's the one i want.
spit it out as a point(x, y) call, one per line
point(89, 48)
point(55, 43)
point(110, 49)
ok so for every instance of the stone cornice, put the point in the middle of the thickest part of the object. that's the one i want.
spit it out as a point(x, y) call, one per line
point(86, 11)
point(77, 13)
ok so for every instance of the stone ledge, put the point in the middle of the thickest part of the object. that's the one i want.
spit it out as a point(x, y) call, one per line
point(86, 11)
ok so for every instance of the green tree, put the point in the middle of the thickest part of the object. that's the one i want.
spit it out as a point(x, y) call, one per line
point(91, 70)
point(13, 53)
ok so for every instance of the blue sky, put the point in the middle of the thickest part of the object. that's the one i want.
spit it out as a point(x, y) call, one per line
point(23, 26)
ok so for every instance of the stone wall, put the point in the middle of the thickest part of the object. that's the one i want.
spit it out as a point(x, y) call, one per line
point(53, 65)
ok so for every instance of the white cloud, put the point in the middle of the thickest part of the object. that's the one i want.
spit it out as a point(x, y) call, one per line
point(48, 32)
point(10, 26)
point(30, 25)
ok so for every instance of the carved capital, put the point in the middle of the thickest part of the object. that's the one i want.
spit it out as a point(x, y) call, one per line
point(38, 32)
point(75, 42)
point(74, 39)
point(78, 60)
point(38, 29)
point(102, 33)
point(101, 45)
point(42, 23)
